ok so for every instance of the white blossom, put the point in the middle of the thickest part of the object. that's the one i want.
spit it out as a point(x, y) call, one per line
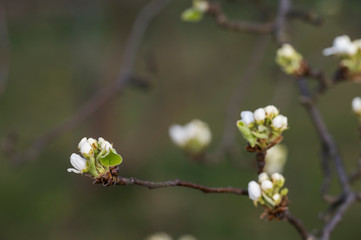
point(262, 177)
point(342, 45)
point(276, 158)
point(195, 130)
point(260, 114)
point(247, 117)
point(78, 163)
point(266, 185)
point(104, 144)
point(280, 122)
point(276, 197)
point(86, 149)
point(254, 190)
point(286, 51)
point(356, 105)
point(271, 111)
point(84, 140)
point(276, 177)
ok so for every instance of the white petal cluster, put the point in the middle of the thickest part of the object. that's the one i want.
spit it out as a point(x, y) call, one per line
point(267, 191)
point(356, 105)
point(247, 117)
point(286, 51)
point(289, 59)
point(254, 190)
point(195, 130)
point(79, 163)
point(271, 111)
point(276, 158)
point(105, 145)
point(260, 115)
point(342, 45)
point(87, 146)
point(280, 122)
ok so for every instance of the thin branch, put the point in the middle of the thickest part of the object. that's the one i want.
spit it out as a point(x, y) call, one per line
point(323, 133)
point(98, 100)
point(330, 226)
point(179, 183)
point(281, 20)
point(298, 225)
point(216, 11)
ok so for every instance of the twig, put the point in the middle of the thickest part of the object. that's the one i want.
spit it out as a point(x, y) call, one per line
point(323, 133)
point(296, 223)
point(281, 21)
point(175, 183)
point(105, 95)
point(329, 227)
point(216, 11)
point(356, 174)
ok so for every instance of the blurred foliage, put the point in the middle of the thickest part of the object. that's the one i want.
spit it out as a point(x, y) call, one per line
point(63, 51)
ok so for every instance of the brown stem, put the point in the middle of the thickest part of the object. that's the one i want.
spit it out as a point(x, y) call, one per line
point(296, 223)
point(174, 183)
point(260, 161)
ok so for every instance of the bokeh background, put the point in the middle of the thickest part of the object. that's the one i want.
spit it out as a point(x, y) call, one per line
point(62, 52)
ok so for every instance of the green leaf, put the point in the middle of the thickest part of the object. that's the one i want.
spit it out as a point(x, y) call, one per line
point(192, 15)
point(111, 159)
point(247, 133)
point(259, 135)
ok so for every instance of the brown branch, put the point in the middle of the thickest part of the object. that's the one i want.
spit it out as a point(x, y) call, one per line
point(98, 100)
point(330, 226)
point(323, 133)
point(281, 21)
point(298, 225)
point(216, 11)
point(179, 183)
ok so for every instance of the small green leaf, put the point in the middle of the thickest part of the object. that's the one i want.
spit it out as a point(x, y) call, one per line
point(192, 15)
point(111, 159)
point(247, 133)
point(259, 135)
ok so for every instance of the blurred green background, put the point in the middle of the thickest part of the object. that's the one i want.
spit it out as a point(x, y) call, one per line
point(63, 51)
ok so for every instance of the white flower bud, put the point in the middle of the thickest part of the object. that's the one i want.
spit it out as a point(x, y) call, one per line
point(247, 117)
point(286, 51)
point(277, 198)
point(266, 185)
point(92, 142)
point(271, 111)
point(342, 45)
point(199, 131)
point(84, 140)
point(356, 105)
point(280, 122)
point(200, 5)
point(260, 114)
point(254, 190)
point(276, 158)
point(278, 179)
point(262, 177)
point(103, 144)
point(78, 163)
point(86, 149)
point(178, 136)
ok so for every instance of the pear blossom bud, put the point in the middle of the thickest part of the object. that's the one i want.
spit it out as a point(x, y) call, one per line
point(177, 135)
point(276, 158)
point(277, 198)
point(262, 177)
point(271, 111)
point(260, 114)
point(280, 122)
point(199, 131)
point(104, 145)
point(200, 5)
point(356, 105)
point(92, 142)
point(254, 190)
point(247, 117)
point(278, 179)
point(266, 185)
point(79, 164)
point(86, 149)
point(84, 140)
point(342, 45)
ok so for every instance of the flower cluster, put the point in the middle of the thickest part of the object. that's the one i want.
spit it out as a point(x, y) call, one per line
point(98, 156)
point(268, 192)
point(264, 127)
point(276, 158)
point(356, 106)
point(349, 52)
point(289, 59)
point(193, 137)
point(195, 13)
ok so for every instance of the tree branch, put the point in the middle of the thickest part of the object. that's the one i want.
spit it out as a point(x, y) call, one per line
point(123, 181)
point(298, 225)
